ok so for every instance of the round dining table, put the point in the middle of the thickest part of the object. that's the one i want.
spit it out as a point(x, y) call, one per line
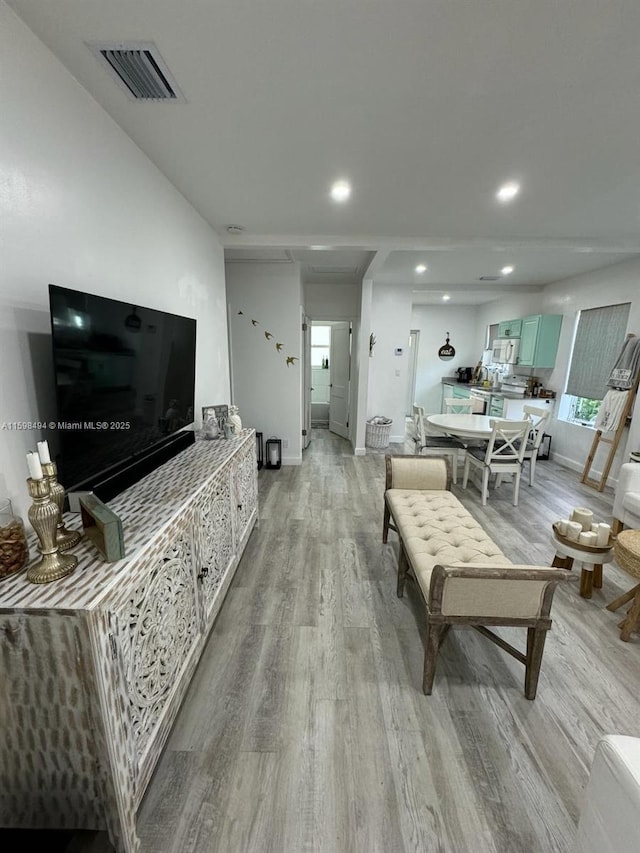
point(463, 425)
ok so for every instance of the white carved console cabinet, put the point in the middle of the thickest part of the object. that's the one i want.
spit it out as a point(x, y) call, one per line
point(93, 667)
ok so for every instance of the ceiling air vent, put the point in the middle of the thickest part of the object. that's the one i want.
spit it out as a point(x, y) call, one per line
point(489, 278)
point(140, 70)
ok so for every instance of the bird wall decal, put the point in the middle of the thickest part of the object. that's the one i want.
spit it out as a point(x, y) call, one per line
point(291, 359)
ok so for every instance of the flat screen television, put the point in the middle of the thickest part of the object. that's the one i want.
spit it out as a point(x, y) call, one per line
point(125, 382)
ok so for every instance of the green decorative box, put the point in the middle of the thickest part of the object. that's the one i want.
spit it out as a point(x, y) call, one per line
point(102, 527)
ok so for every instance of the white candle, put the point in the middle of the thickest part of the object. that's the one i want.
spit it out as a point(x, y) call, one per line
point(574, 529)
point(603, 534)
point(273, 454)
point(584, 516)
point(563, 525)
point(33, 462)
point(587, 538)
point(43, 452)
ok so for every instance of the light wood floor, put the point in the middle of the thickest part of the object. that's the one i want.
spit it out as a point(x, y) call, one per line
point(305, 728)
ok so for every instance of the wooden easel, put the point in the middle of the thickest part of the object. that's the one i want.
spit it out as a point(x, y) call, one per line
point(614, 441)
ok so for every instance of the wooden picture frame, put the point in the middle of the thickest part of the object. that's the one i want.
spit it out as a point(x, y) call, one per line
point(219, 412)
point(102, 527)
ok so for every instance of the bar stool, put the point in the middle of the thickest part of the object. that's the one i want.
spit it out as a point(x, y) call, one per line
point(627, 556)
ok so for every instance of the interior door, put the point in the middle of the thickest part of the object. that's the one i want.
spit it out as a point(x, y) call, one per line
point(306, 374)
point(340, 366)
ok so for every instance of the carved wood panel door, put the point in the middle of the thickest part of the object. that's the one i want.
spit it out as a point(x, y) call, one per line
point(156, 631)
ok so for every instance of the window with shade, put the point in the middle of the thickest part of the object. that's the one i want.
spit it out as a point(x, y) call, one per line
point(600, 335)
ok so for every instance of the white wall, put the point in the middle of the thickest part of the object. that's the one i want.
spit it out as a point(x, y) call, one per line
point(332, 301)
point(433, 322)
point(82, 207)
point(267, 391)
point(388, 373)
point(610, 286)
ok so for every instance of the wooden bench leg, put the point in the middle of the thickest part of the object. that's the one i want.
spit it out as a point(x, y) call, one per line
point(403, 565)
point(535, 646)
point(597, 576)
point(432, 644)
point(385, 523)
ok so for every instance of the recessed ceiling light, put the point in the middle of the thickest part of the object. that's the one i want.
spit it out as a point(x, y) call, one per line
point(421, 268)
point(341, 191)
point(446, 297)
point(506, 270)
point(508, 192)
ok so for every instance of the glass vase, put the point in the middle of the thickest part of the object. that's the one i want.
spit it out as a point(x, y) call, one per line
point(14, 551)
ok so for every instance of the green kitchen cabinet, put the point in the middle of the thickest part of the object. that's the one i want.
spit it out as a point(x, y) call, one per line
point(510, 329)
point(461, 391)
point(539, 340)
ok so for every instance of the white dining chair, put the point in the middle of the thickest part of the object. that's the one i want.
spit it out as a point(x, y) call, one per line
point(433, 443)
point(503, 455)
point(538, 418)
point(458, 406)
point(464, 406)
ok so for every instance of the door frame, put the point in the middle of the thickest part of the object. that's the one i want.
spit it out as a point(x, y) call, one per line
point(412, 371)
point(306, 381)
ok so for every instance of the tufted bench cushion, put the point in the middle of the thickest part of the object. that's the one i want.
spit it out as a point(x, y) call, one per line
point(436, 529)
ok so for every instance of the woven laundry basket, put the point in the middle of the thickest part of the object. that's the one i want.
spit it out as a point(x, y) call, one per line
point(378, 432)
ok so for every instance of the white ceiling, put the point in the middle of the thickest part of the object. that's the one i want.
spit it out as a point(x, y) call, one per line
point(425, 107)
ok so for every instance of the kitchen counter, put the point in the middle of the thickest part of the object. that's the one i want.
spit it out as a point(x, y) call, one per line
point(480, 390)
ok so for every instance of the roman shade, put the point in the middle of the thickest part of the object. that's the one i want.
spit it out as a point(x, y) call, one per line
point(597, 344)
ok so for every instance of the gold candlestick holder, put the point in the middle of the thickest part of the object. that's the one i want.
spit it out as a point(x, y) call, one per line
point(43, 515)
point(65, 538)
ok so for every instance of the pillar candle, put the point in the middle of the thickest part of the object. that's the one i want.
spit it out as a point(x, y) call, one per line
point(587, 538)
point(273, 454)
point(43, 452)
point(574, 528)
point(563, 525)
point(603, 534)
point(33, 462)
point(584, 516)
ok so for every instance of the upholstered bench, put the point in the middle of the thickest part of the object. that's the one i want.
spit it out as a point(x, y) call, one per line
point(464, 578)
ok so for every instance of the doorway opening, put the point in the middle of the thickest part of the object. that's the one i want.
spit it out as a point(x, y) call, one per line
point(320, 374)
point(330, 363)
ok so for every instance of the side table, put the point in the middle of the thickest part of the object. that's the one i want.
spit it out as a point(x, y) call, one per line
point(591, 558)
point(627, 556)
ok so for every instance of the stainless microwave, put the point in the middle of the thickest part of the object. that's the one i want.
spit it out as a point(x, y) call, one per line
point(505, 351)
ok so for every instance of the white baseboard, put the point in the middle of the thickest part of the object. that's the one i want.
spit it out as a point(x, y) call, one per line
point(360, 451)
point(594, 474)
point(292, 460)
